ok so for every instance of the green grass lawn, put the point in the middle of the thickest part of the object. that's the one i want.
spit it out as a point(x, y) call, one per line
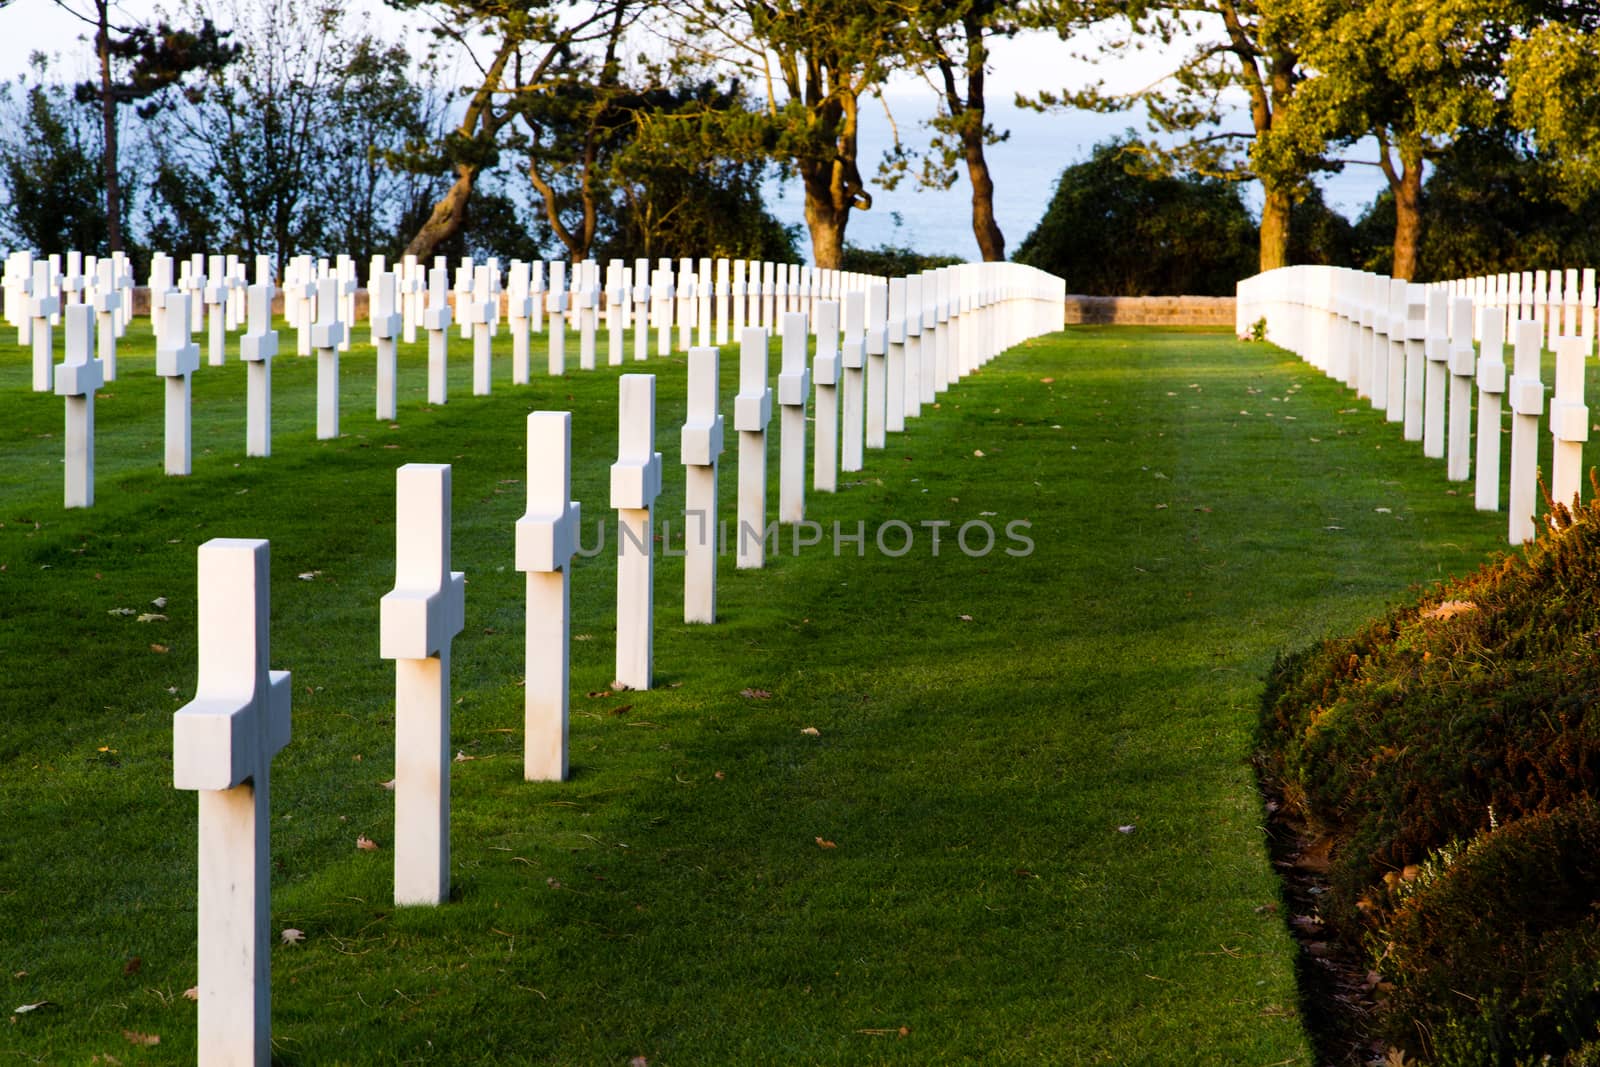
point(984, 726)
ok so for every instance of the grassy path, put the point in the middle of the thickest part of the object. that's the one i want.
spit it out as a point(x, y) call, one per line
point(1195, 506)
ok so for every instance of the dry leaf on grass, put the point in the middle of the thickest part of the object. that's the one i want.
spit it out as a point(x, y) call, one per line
point(964, 618)
point(134, 1037)
point(811, 731)
point(388, 785)
point(132, 966)
point(159, 648)
point(755, 694)
point(160, 602)
point(366, 844)
point(23, 1009)
point(825, 844)
point(151, 616)
point(462, 757)
point(192, 993)
point(290, 936)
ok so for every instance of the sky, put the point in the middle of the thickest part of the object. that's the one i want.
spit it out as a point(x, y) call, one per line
point(1025, 166)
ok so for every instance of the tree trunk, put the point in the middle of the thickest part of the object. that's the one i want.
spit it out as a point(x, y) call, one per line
point(448, 216)
point(991, 242)
point(825, 221)
point(1274, 227)
point(108, 119)
point(1407, 219)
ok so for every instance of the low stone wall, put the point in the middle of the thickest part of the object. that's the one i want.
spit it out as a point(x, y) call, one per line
point(1149, 310)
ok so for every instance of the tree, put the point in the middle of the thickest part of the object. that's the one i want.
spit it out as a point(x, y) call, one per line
point(1413, 74)
point(954, 39)
point(50, 170)
point(827, 55)
point(1257, 54)
point(1552, 69)
point(533, 47)
point(1116, 228)
point(136, 64)
point(292, 142)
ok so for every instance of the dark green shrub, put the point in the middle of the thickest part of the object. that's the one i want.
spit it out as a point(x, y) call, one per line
point(1474, 707)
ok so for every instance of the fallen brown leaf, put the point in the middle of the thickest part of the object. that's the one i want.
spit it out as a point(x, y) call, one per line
point(132, 966)
point(159, 648)
point(388, 785)
point(134, 1037)
point(192, 993)
point(462, 757)
point(826, 844)
point(290, 936)
point(755, 694)
point(811, 731)
point(366, 844)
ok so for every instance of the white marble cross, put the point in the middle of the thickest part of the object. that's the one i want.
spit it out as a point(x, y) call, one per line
point(556, 305)
point(825, 374)
point(160, 283)
point(700, 444)
point(43, 308)
point(76, 380)
point(216, 298)
point(223, 742)
point(687, 303)
point(345, 273)
point(852, 387)
point(877, 364)
point(195, 285)
point(477, 307)
point(411, 288)
point(894, 414)
point(546, 537)
point(1437, 374)
point(1526, 393)
point(495, 289)
point(587, 283)
point(913, 320)
point(927, 373)
point(724, 294)
point(705, 292)
point(177, 357)
point(740, 292)
point(257, 348)
point(107, 303)
point(794, 390)
point(326, 337)
point(1569, 421)
point(635, 484)
point(1416, 344)
point(417, 621)
point(536, 296)
point(436, 320)
point(643, 303)
point(301, 294)
point(769, 295)
point(386, 320)
point(662, 291)
point(1389, 396)
point(463, 293)
point(1491, 388)
point(1463, 368)
point(519, 303)
point(752, 411)
point(616, 312)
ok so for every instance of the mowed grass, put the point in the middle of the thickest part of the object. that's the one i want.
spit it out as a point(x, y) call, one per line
point(986, 727)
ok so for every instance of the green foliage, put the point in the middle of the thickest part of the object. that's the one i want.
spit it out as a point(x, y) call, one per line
point(893, 261)
point(1449, 752)
point(50, 169)
point(1318, 233)
point(1113, 228)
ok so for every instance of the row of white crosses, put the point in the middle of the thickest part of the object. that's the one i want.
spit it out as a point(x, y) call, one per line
point(1410, 350)
point(225, 739)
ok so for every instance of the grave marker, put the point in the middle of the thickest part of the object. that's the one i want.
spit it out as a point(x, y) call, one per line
point(107, 304)
point(853, 360)
point(894, 414)
point(752, 411)
point(216, 298)
point(546, 537)
point(256, 349)
point(417, 620)
point(556, 305)
point(700, 445)
point(825, 459)
point(477, 308)
point(794, 389)
point(616, 312)
point(519, 304)
point(76, 380)
point(1463, 368)
point(877, 368)
point(1527, 402)
point(635, 484)
point(688, 303)
point(326, 337)
point(1491, 386)
point(223, 742)
point(177, 357)
point(436, 320)
point(43, 309)
point(1569, 422)
point(724, 296)
point(913, 320)
point(1436, 375)
point(587, 283)
point(643, 306)
point(663, 292)
point(386, 322)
